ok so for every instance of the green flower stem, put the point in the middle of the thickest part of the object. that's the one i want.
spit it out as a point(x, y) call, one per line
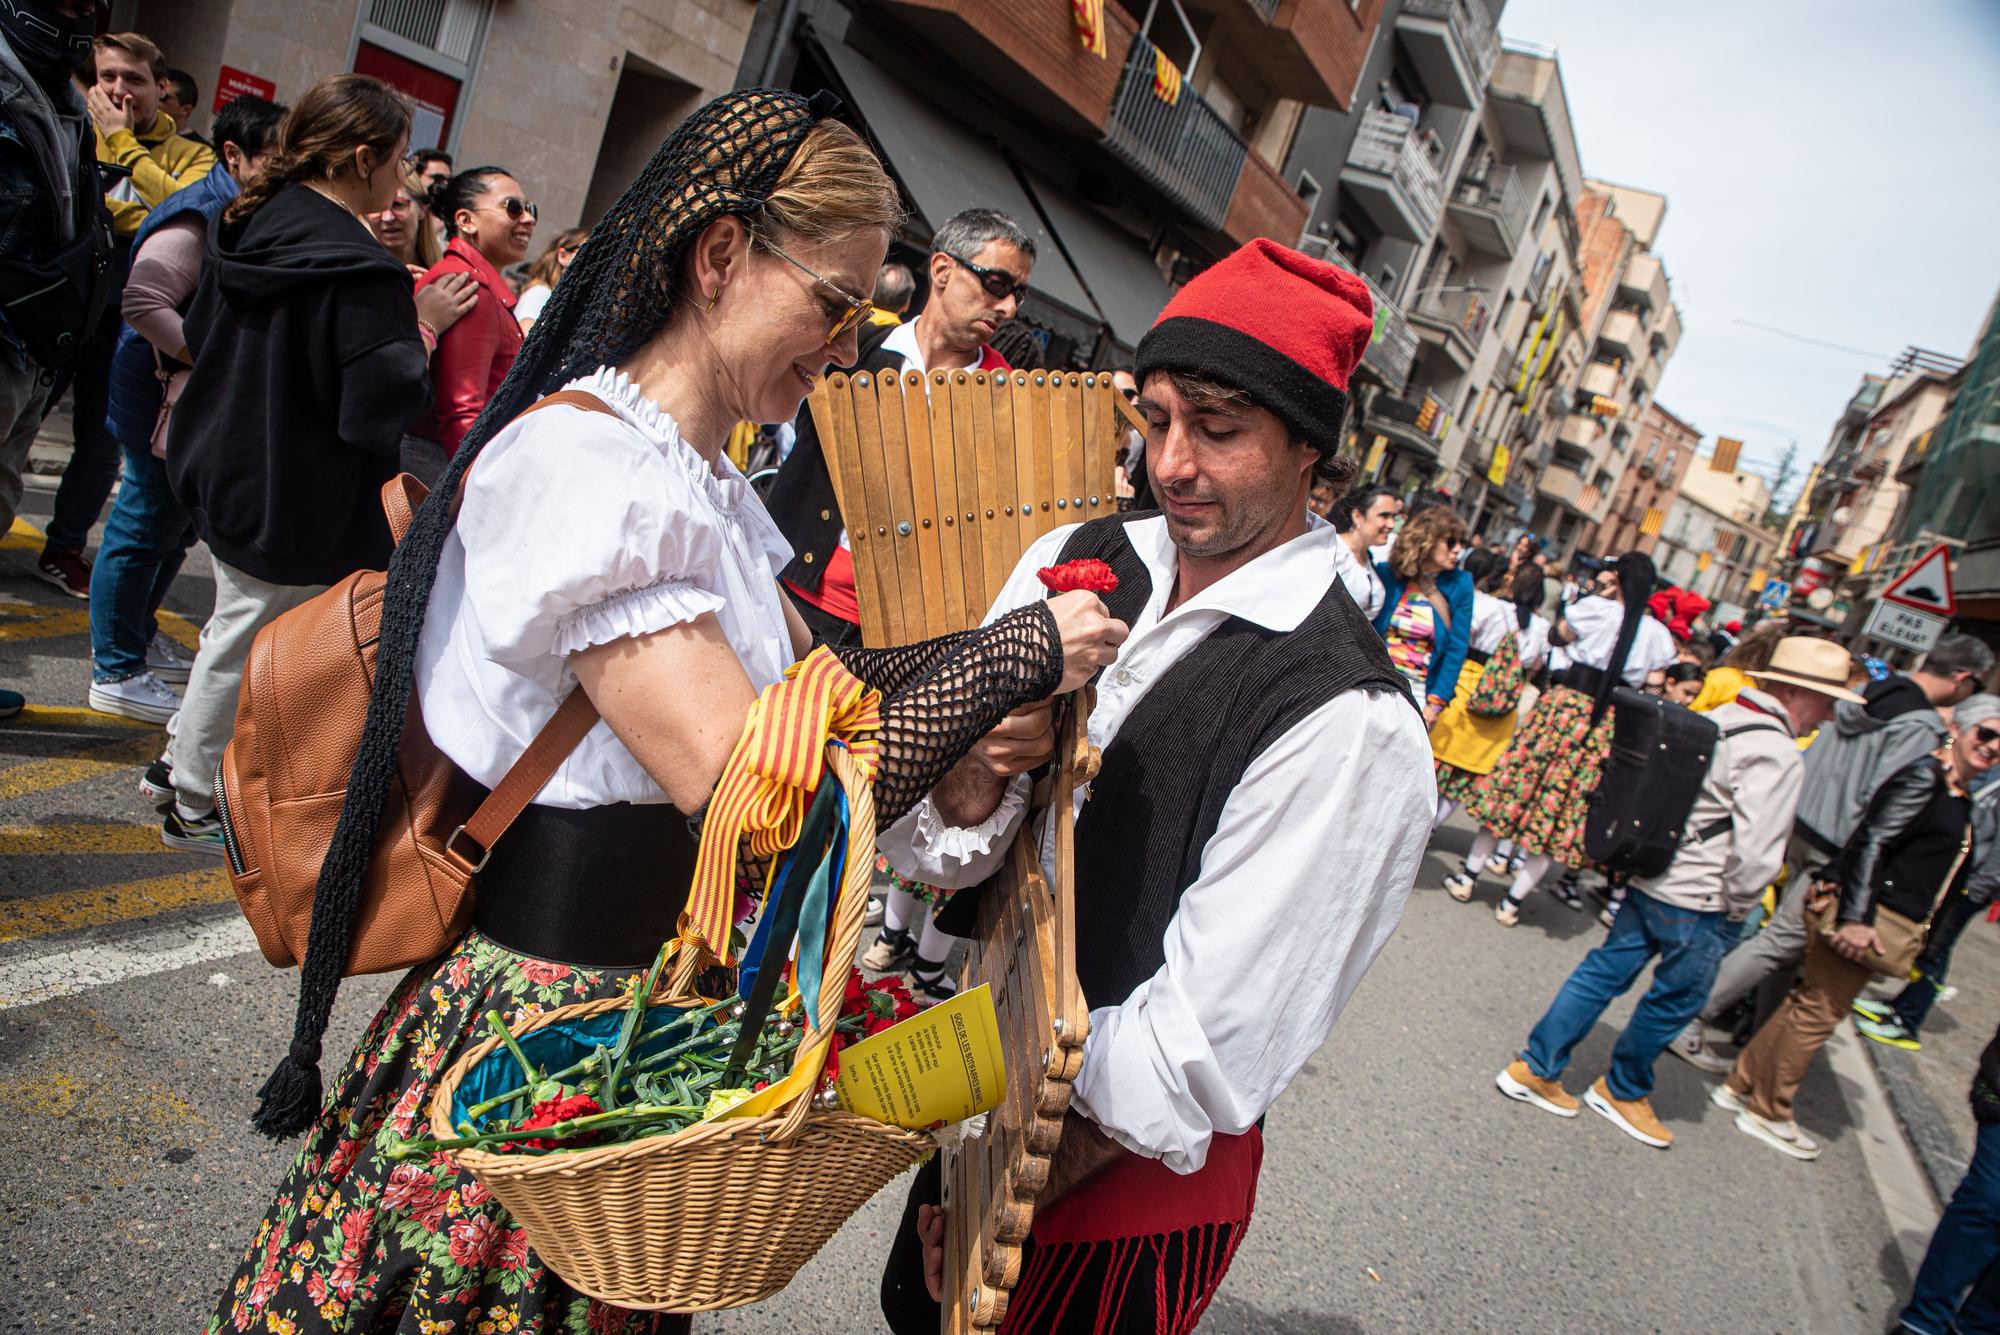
point(638, 1114)
point(630, 1028)
point(591, 1063)
point(499, 1026)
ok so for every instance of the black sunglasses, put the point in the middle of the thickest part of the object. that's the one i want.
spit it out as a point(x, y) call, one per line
point(1986, 736)
point(997, 282)
point(515, 207)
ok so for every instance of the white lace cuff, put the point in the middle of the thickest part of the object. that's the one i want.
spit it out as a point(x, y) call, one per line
point(943, 841)
point(636, 612)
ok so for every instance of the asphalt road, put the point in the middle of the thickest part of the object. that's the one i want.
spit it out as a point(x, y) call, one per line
point(1401, 1192)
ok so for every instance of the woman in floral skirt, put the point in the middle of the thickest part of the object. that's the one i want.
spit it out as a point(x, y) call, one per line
point(1507, 636)
point(619, 552)
point(1536, 794)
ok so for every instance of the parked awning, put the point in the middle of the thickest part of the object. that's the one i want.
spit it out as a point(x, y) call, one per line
point(943, 167)
point(1116, 269)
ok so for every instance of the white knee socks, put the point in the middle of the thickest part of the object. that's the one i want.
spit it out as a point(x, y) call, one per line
point(1482, 848)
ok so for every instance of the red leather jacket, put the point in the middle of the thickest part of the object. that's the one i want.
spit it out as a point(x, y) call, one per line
point(474, 354)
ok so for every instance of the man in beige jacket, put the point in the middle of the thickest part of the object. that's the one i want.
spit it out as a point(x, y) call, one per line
point(1692, 913)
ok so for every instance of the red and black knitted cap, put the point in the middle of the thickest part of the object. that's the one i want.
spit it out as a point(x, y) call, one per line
point(1283, 327)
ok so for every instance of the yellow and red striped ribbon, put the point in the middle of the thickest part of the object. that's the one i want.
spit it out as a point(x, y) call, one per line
point(1166, 78)
point(1088, 16)
point(771, 778)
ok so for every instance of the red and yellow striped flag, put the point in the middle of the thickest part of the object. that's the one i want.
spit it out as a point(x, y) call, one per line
point(1655, 519)
point(771, 777)
point(1088, 16)
point(1166, 78)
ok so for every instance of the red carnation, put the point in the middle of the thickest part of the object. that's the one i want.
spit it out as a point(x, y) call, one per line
point(1085, 574)
point(548, 1113)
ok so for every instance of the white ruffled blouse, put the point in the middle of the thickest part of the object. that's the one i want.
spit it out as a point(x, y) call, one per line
point(577, 529)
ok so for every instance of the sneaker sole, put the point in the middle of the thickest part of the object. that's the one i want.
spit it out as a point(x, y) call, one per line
point(123, 708)
point(1869, 1010)
point(1725, 1098)
point(1756, 1130)
point(1611, 1115)
point(55, 581)
point(194, 843)
point(1906, 1044)
point(172, 676)
point(1520, 1093)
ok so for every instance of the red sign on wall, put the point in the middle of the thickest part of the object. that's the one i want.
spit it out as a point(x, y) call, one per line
point(233, 83)
point(435, 94)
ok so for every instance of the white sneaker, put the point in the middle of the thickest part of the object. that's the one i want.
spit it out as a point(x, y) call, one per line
point(1691, 1046)
point(1725, 1098)
point(165, 660)
point(141, 696)
point(1946, 994)
point(1784, 1137)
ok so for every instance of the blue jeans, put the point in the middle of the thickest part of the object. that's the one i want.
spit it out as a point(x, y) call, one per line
point(1690, 946)
point(1913, 1004)
point(145, 538)
point(1963, 1252)
point(93, 461)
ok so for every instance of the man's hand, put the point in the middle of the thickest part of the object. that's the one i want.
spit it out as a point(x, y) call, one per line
point(930, 1231)
point(1856, 942)
point(971, 790)
point(1819, 894)
point(109, 114)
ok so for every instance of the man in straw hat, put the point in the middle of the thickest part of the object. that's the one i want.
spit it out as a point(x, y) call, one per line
point(1264, 799)
point(1692, 913)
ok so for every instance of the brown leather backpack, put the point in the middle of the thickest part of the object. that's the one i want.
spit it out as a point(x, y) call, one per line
point(284, 775)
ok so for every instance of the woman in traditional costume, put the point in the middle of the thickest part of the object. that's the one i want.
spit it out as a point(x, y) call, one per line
point(1509, 639)
point(618, 551)
point(1537, 794)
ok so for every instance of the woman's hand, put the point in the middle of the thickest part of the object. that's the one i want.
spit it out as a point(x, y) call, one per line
point(1819, 894)
point(1090, 636)
point(443, 302)
point(1433, 706)
point(930, 1231)
point(1856, 942)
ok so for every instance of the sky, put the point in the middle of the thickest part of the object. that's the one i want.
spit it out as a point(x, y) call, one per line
point(1831, 168)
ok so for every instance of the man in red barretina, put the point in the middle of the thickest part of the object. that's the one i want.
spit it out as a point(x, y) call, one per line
point(1255, 738)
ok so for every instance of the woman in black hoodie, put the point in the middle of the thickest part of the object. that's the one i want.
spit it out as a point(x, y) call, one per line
point(308, 368)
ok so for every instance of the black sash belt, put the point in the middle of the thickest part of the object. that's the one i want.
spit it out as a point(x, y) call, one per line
point(1479, 656)
point(600, 887)
point(1581, 677)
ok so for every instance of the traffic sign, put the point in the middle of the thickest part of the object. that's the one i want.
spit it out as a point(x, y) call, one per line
point(1776, 593)
point(1926, 586)
point(1902, 627)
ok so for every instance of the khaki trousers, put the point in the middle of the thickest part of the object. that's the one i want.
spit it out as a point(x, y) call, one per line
point(1768, 1073)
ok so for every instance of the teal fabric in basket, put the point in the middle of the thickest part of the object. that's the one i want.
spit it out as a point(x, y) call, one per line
point(558, 1046)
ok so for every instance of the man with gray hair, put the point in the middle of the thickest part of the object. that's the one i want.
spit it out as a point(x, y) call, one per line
point(895, 289)
point(1853, 756)
point(979, 267)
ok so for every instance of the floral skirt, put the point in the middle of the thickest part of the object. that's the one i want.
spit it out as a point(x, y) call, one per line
point(1467, 745)
point(1536, 795)
point(355, 1243)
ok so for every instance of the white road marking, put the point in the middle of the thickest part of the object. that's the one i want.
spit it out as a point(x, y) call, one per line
point(1900, 1182)
point(31, 977)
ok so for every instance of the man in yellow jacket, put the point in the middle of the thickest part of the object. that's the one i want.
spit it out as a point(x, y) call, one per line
point(150, 162)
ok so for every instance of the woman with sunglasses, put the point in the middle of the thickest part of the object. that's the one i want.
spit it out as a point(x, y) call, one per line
point(491, 221)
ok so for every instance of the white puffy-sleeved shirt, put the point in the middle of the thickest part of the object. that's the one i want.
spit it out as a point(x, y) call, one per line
point(1534, 645)
point(577, 529)
point(1595, 621)
point(1493, 619)
point(1300, 886)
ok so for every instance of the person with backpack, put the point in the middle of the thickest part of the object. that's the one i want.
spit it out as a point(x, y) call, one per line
point(1867, 912)
point(1689, 915)
point(1505, 651)
point(147, 532)
point(307, 368)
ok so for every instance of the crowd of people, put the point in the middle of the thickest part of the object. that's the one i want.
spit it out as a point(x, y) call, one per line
point(305, 308)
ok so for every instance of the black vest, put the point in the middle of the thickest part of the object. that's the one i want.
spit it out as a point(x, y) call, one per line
point(1182, 750)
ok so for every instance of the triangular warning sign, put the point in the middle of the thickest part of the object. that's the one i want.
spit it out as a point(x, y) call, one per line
point(1926, 586)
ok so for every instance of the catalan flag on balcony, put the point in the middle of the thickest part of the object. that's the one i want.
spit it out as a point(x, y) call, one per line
point(1166, 78)
point(1088, 15)
point(1654, 521)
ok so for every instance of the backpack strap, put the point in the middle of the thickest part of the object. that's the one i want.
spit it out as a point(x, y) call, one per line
point(472, 843)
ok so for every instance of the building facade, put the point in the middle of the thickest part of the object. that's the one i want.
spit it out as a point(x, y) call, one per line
point(1954, 485)
point(1665, 448)
point(1716, 539)
point(570, 98)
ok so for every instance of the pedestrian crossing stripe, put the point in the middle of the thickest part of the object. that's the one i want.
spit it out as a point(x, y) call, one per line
point(73, 718)
point(21, 621)
point(23, 537)
point(38, 776)
point(76, 840)
point(100, 906)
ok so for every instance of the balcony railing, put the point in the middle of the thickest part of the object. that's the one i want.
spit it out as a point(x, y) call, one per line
point(1185, 150)
point(1538, 279)
point(1266, 9)
point(1389, 154)
point(1461, 314)
point(1495, 205)
point(1393, 350)
point(1471, 29)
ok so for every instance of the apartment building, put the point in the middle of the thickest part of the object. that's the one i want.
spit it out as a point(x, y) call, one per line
point(1134, 165)
point(571, 98)
point(1716, 539)
point(1646, 493)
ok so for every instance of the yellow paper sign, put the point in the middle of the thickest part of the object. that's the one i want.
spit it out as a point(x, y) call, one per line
point(941, 1065)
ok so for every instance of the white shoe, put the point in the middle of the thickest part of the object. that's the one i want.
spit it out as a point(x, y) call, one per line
point(1946, 994)
point(1495, 863)
point(1505, 913)
point(1459, 885)
point(1784, 1137)
point(1691, 1046)
point(165, 661)
point(1725, 1098)
point(141, 696)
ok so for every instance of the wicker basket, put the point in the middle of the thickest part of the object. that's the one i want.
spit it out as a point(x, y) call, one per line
point(722, 1213)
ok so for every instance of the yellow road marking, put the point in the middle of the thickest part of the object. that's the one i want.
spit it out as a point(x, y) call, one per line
point(118, 837)
point(31, 621)
point(179, 629)
point(75, 909)
point(38, 776)
point(74, 717)
point(23, 537)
